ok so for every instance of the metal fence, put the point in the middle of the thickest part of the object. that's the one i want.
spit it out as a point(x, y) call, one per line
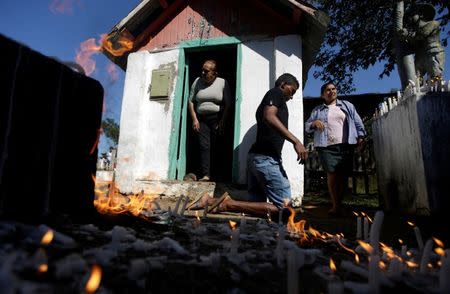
point(362, 180)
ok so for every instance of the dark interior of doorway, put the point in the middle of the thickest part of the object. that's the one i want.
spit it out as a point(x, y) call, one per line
point(222, 157)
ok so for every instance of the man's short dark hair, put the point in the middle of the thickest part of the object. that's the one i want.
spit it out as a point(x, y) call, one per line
point(287, 78)
point(325, 85)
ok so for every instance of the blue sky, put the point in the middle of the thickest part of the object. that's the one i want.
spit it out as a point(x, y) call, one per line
point(59, 32)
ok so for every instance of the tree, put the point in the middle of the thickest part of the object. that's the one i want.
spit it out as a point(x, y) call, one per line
point(359, 35)
point(111, 130)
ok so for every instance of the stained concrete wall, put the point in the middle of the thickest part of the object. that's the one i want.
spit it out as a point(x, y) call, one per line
point(410, 144)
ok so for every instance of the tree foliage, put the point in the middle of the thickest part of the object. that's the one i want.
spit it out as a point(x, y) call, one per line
point(111, 130)
point(359, 35)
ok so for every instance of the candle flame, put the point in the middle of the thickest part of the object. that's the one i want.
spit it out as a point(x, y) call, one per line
point(409, 253)
point(47, 238)
point(366, 246)
point(400, 241)
point(411, 264)
point(411, 224)
point(43, 268)
point(232, 224)
point(440, 251)
point(382, 265)
point(355, 213)
point(332, 265)
point(356, 258)
point(438, 242)
point(94, 280)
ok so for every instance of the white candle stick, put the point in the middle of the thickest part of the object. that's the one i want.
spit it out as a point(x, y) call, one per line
point(444, 281)
point(366, 229)
point(335, 287)
point(362, 272)
point(418, 238)
point(426, 255)
point(279, 249)
point(234, 241)
point(205, 211)
point(374, 274)
point(243, 222)
point(292, 273)
point(375, 230)
point(183, 208)
point(404, 250)
point(177, 205)
point(358, 227)
point(395, 269)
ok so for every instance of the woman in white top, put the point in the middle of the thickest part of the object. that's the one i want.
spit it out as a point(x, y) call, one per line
point(209, 102)
point(337, 129)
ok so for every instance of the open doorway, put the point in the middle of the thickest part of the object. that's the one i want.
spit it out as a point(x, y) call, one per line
point(222, 156)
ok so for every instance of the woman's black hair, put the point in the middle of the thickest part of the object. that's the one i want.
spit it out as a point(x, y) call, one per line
point(322, 89)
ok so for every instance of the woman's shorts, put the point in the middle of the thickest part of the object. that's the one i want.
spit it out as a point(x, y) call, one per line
point(337, 158)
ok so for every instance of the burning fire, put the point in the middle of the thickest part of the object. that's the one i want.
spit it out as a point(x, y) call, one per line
point(297, 229)
point(47, 238)
point(94, 280)
point(233, 224)
point(43, 268)
point(112, 202)
point(332, 265)
point(90, 47)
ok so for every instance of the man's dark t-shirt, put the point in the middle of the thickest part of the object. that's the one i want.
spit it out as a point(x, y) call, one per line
point(269, 141)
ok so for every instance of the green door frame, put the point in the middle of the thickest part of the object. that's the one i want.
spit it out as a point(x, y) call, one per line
point(177, 145)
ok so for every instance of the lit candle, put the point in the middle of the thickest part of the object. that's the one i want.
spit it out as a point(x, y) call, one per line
point(426, 255)
point(243, 222)
point(404, 250)
point(235, 241)
point(375, 230)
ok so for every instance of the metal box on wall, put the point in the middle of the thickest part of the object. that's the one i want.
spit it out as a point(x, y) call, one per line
point(160, 84)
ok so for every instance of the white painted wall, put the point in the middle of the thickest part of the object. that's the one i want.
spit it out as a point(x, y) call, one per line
point(262, 63)
point(288, 52)
point(145, 125)
point(256, 80)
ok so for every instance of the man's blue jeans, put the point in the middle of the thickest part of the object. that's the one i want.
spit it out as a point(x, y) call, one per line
point(267, 179)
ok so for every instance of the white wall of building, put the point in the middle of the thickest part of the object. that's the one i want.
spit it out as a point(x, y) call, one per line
point(262, 63)
point(145, 125)
point(288, 52)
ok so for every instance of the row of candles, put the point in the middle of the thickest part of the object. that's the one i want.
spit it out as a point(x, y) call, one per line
point(413, 88)
point(383, 268)
point(39, 260)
